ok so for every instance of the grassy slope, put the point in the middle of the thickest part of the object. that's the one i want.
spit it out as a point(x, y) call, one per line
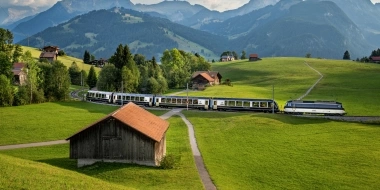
point(184, 176)
point(23, 174)
point(67, 60)
point(354, 84)
point(49, 121)
point(264, 151)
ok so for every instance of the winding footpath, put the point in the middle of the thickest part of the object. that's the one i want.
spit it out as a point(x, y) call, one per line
point(315, 84)
point(203, 173)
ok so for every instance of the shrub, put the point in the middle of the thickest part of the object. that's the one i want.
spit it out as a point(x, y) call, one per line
point(169, 162)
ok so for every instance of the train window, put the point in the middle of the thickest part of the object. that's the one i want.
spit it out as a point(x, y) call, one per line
point(163, 100)
point(119, 97)
point(246, 104)
point(128, 98)
point(255, 104)
point(142, 99)
point(215, 102)
point(239, 103)
point(270, 104)
point(231, 103)
point(263, 104)
point(206, 103)
point(183, 101)
point(195, 101)
point(173, 100)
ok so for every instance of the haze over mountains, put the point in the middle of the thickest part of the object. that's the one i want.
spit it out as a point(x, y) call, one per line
point(267, 27)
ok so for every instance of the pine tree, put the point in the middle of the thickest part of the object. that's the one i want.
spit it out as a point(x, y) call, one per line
point(243, 55)
point(346, 55)
point(92, 79)
point(86, 57)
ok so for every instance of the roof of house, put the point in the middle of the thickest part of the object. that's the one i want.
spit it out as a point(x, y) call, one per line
point(18, 72)
point(18, 66)
point(212, 74)
point(375, 58)
point(139, 119)
point(253, 55)
point(48, 55)
point(206, 76)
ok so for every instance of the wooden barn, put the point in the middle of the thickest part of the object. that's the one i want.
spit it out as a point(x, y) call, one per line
point(129, 135)
point(254, 57)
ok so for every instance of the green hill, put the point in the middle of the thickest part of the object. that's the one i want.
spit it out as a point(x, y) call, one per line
point(17, 173)
point(354, 84)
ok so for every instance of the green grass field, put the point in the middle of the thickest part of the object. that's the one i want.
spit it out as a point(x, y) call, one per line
point(354, 84)
point(54, 161)
point(265, 151)
point(49, 121)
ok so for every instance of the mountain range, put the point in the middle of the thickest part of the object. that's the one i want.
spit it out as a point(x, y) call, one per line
point(268, 27)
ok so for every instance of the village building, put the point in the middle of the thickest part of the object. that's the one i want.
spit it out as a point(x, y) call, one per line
point(19, 74)
point(254, 57)
point(201, 79)
point(375, 59)
point(50, 53)
point(129, 135)
point(225, 58)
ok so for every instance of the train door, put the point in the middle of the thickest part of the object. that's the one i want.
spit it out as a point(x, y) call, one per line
point(215, 105)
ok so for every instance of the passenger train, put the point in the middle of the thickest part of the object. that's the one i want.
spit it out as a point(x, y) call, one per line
point(295, 107)
point(203, 103)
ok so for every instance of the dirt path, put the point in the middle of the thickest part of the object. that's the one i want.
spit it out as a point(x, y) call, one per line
point(312, 87)
point(203, 173)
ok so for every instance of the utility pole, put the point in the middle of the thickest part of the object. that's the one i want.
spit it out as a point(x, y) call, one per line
point(273, 99)
point(187, 96)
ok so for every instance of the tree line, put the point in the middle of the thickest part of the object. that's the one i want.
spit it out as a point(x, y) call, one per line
point(126, 72)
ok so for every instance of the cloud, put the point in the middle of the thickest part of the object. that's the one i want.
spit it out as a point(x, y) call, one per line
point(30, 3)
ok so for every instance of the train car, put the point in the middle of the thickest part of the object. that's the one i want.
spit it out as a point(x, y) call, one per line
point(241, 104)
point(99, 96)
point(299, 107)
point(138, 99)
point(182, 102)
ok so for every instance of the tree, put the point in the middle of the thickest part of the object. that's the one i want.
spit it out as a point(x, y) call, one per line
point(176, 70)
point(123, 57)
point(34, 80)
point(6, 91)
point(236, 57)
point(243, 55)
point(107, 78)
point(17, 53)
point(75, 74)
point(59, 81)
point(346, 55)
point(5, 65)
point(86, 57)
point(6, 55)
point(92, 78)
point(308, 55)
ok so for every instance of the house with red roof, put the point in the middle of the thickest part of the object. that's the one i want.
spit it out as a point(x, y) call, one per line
point(254, 57)
point(201, 79)
point(129, 135)
point(50, 53)
point(19, 73)
point(375, 59)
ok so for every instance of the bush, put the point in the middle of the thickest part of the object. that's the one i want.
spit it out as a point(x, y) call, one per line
point(169, 162)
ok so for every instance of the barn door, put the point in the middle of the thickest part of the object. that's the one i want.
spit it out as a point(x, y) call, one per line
point(112, 147)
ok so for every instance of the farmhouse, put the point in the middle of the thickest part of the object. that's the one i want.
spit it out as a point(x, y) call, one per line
point(225, 58)
point(254, 57)
point(19, 74)
point(129, 135)
point(50, 53)
point(375, 59)
point(200, 79)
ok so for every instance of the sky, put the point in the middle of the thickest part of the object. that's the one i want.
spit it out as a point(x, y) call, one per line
point(219, 5)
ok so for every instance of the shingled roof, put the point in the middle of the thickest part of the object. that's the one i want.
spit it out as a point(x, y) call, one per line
point(139, 119)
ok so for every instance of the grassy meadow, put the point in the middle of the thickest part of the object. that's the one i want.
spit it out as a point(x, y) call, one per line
point(26, 168)
point(354, 84)
point(265, 151)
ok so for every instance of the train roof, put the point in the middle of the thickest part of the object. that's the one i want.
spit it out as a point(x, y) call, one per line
point(246, 99)
point(168, 96)
point(315, 101)
point(97, 91)
point(119, 93)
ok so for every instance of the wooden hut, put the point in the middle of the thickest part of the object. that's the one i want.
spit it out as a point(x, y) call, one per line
point(200, 79)
point(129, 135)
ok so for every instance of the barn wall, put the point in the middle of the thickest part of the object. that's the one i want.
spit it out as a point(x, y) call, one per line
point(112, 140)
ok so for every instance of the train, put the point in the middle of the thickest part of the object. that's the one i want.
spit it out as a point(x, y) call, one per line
point(192, 102)
point(294, 107)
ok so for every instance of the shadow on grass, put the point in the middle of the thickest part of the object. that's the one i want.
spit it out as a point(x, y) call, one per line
point(293, 120)
point(94, 169)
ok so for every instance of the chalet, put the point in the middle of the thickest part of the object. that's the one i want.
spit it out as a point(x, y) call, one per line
point(50, 53)
point(200, 79)
point(254, 57)
point(375, 59)
point(129, 135)
point(225, 58)
point(19, 73)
